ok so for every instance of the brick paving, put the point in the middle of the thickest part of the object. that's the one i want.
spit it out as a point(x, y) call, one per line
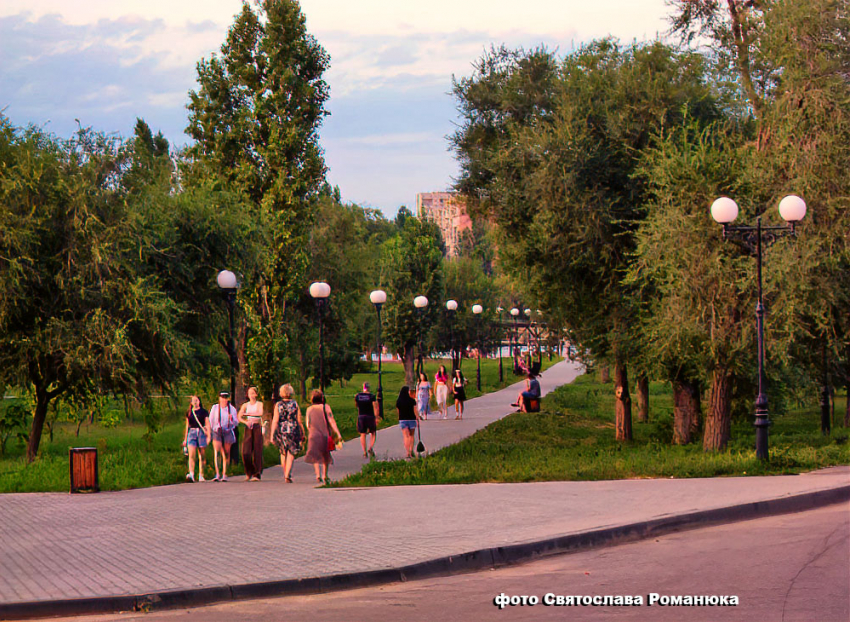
point(59, 546)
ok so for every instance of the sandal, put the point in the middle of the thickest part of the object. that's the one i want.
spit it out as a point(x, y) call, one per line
point(288, 480)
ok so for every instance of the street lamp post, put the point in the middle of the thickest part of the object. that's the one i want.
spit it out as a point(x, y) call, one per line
point(451, 308)
point(378, 298)
point(477, 309)
point(420, 302)
point(229, 285)
point(499, 343)
point(320, 292)
point(529, 334)
point(515, 338)
point(724, 210)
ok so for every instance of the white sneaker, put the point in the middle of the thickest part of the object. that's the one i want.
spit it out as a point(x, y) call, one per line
point(201, 478)
point(190, 477)
point(223, 478)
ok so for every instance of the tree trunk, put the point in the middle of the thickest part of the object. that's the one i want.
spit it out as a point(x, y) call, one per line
point(824, 391)
point(847, 409)
point(409, 361)
point(718, 418)
point(605, 374)
point(42, 401)
point(643, 398)
point(302, 355)
point(685, 410)
point(623, 404)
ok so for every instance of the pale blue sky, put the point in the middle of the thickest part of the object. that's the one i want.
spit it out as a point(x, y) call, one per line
point(108, 62)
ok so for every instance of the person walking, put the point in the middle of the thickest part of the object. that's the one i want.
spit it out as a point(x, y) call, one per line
point(459, 392)
point(441, 388)
point(287, 430)
point(223, 422)
point(408, 416)
point(367, 419)
point(251, 415)
point(320, 422)
point(423, 396)
point(196, 437)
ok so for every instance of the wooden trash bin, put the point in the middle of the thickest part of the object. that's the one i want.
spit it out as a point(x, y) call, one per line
point(84, 477)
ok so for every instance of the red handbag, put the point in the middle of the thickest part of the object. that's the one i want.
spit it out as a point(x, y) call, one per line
point(331, 443)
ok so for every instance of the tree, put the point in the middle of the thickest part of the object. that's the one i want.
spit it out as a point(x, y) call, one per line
point(411, 266)
point(80, 317)
point(550, 151)
point(255, 120)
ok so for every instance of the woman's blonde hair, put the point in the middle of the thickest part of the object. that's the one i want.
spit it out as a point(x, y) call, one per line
point(287, 391)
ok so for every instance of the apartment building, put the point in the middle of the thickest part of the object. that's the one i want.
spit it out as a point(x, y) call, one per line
point(448, 211)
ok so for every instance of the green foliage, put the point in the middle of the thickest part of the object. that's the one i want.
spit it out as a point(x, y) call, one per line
point(14, 421)
point(552, 147)
point(411, 265)
point(571, 440)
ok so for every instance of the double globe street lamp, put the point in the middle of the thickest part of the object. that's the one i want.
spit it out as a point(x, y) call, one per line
point(320, 292)
point(724, 210)
point(378, 298)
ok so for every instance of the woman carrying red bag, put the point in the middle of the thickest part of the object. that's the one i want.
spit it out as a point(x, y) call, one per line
point(320, 422)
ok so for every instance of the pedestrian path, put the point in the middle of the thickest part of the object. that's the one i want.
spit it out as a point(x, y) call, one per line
point(224, 537)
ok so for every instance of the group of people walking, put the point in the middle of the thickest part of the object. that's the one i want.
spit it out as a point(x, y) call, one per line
point(440, 390)
point(288, 434)
point(318, 428)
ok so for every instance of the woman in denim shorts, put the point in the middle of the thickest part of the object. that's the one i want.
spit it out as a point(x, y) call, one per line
point(408, 415)
point(196, 437)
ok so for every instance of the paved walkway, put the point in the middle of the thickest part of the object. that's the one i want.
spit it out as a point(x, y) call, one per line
point(59, 546)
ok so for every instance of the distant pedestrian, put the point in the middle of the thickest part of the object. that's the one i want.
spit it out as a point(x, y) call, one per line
point(367, 418)
point(423, 396)
point(320, 423)
point(223, 422)
point(251, 415)
point(288, 432)
point(408, 415)
point(459, 392)
point(196, 437)
point(441, 389)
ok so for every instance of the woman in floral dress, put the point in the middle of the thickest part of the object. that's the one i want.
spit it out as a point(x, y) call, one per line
point(287, 430)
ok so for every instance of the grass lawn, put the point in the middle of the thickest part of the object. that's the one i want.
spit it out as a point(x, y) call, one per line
point(130, 459)
point(573, 439)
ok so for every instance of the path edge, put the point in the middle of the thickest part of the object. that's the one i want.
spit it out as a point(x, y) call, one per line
point(481, 559)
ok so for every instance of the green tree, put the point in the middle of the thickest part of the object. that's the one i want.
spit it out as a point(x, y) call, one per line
point(411, 265)
point(255, 120)
point(80, 317)
point(550, 150)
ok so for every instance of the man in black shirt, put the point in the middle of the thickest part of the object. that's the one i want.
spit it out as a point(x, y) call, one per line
point(367, 418)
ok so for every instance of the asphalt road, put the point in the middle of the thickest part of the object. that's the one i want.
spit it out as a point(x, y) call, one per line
point(791, 568)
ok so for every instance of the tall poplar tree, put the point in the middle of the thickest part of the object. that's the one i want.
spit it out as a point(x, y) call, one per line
point(255, 118)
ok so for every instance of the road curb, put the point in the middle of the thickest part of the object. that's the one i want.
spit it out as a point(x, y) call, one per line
point(482, 559)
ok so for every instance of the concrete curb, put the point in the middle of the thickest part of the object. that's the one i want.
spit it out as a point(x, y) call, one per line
point(481, 559)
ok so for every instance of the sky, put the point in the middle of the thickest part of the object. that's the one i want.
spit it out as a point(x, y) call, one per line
point(107, 62)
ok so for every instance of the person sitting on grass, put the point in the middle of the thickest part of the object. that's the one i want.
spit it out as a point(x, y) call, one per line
point(532, 391)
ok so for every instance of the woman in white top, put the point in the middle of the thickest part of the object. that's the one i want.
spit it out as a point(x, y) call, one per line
point(251, 414)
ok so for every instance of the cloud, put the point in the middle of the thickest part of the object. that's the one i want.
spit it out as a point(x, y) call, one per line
point(100, 73)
